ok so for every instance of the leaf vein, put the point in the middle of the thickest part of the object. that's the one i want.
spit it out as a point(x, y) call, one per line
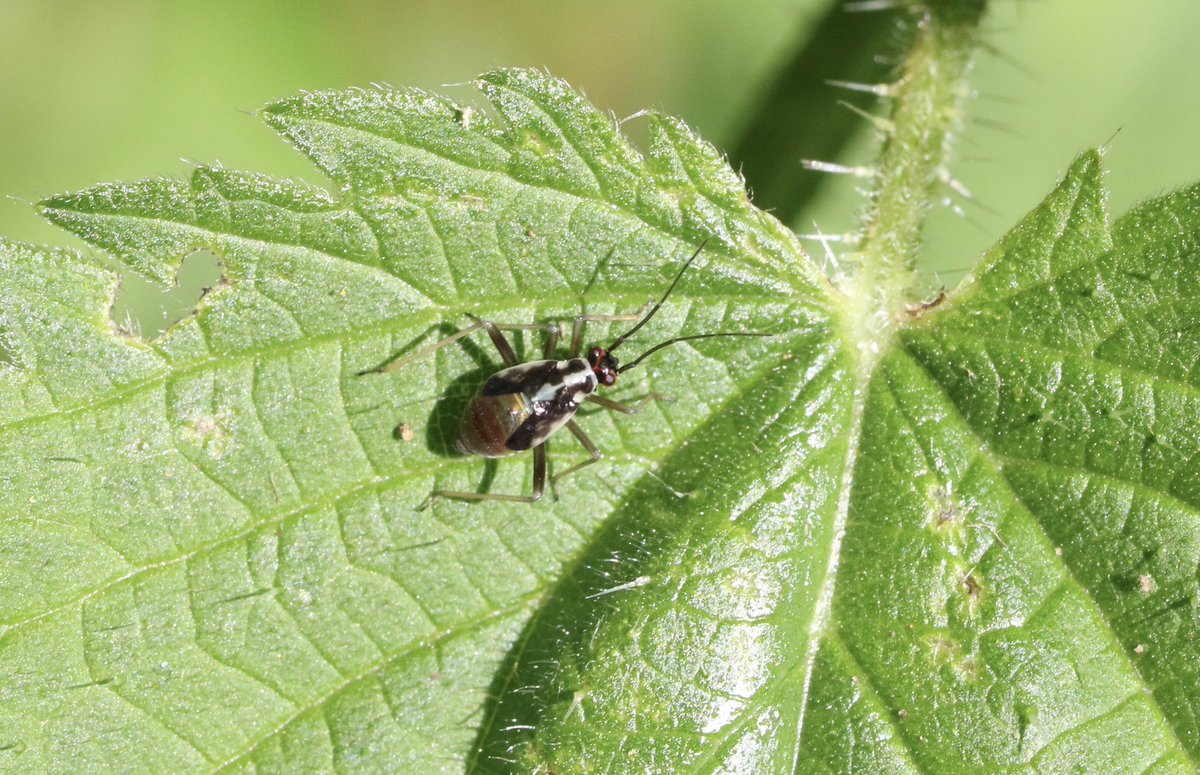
point(373, 670)
point(1074, 582)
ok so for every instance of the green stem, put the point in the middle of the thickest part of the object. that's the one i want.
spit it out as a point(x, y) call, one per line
point(909, 176)
point(924, 115)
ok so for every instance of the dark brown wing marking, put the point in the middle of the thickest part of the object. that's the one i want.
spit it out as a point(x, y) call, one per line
point(526, 378)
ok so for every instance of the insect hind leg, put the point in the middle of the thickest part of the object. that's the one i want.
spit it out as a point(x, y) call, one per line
point(421, 353)
point(539, 487)
point(494, 330)
point(617, 406)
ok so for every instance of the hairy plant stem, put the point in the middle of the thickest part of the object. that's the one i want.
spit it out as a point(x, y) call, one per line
point(910, 173)
point(924, 115)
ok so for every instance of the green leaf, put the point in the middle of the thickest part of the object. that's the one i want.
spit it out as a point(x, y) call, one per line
point(235, 574)
point(969, 543)
point(1008, 500)
point(1017, 579)
point(1050, 415)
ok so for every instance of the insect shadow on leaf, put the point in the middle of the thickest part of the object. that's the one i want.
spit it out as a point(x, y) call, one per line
point(441, 427)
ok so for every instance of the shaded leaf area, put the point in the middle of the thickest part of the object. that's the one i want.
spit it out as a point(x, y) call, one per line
point(1018, 580)
point(211, 554)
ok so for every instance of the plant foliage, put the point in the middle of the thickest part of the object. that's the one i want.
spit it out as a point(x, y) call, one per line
point(971, 541)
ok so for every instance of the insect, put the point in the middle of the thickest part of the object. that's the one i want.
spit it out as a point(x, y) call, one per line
point(521, 406)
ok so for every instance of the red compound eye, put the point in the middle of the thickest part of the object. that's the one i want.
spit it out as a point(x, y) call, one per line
point(604, 366)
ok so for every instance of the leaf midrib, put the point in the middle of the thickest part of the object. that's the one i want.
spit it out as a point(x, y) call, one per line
point(568, 571)
point(864, 368)
point(120, 215)
point(427, 315)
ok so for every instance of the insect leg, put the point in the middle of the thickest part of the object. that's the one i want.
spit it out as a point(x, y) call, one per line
point(495, 331)
point(553, 332)
point(388, 367)
point(595, 453)
point(617, 406)
point(502, 346)
point(581, 320)
point(539, 487)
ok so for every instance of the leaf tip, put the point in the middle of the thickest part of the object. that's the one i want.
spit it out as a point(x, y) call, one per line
point(58, 209)
point(1089, 162)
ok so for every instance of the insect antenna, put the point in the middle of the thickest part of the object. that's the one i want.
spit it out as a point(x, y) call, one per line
point(669, 342)
point(620, 339)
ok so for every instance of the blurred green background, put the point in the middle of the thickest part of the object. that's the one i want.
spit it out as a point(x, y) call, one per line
point(102, 90)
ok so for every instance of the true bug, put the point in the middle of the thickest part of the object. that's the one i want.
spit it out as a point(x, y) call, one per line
point(522, 405)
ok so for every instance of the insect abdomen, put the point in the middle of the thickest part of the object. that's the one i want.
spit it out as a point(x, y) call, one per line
point(488, 423)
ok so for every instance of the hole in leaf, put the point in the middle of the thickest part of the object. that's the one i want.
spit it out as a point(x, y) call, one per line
point(1027, 717)
point(146, 310)
point(972, 587)
point(535, 142)
point(636, 130)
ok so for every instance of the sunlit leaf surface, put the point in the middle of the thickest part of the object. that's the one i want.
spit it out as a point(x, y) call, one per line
point(983, 554)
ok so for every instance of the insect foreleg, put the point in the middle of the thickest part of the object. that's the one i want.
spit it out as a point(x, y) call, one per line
point(582, 320)
point(617, 406)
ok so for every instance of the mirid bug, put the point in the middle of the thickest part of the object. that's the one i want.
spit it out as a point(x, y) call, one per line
point(522, 405)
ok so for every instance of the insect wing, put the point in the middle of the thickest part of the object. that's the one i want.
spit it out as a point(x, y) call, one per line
point(528, 379)
point(553, 391)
